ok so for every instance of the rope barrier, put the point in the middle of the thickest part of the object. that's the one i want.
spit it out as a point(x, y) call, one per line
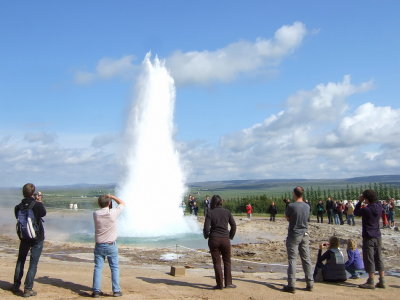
point(232, 258)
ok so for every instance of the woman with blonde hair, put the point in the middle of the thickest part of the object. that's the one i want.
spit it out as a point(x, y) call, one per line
point(333, 269)
point(354, 264)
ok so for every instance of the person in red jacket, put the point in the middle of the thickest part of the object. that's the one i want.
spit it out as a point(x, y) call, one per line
point(249, 210)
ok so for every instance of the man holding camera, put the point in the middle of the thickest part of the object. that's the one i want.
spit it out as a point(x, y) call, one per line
point(370, 209)
point(297, 241)
point(105, 223)
point(34, 245)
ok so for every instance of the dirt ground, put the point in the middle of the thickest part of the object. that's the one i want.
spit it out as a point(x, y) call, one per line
point(259, 267)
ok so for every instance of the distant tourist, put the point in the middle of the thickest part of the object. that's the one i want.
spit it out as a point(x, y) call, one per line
point(272, 211)
point(320, 211)
point(31, 233)
point(249, 210)
point(385, 213)
point(309, 207)
point(190, 203)
point(195, 209)
point(105, 224)
point(354, 264)
point(329, 209)
point(336, 212)
point(216, 230)
point(297, 241)
point(350, 213)
point(370, 209)
point(392, 208)
point(207, 205)
point(334, 268)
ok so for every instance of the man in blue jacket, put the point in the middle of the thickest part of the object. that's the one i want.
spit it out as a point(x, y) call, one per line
point(370, 209)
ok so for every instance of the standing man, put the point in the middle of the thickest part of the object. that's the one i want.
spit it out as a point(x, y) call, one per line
point(371, 234)
point(320, 211)
point(329, 209)
point(35, 245)
point(105, 224)
point(297, 241)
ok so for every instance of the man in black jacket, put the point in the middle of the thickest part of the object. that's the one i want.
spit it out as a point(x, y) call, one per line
point(35, 245)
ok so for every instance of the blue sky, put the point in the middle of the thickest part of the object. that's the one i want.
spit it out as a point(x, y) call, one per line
point(288, 89)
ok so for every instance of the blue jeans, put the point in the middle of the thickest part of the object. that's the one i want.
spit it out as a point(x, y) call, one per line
point(36, 250)
point(101, 251)
point(350, 220)
point(337, 220)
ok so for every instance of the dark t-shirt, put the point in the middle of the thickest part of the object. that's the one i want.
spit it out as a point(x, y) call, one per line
point(298, 213)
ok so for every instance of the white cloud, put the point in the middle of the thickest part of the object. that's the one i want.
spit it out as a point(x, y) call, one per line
point(40, 137)
point(315, 136)
point(108, 68)
point(225, 64)
point(203, 67)
point(52, 163)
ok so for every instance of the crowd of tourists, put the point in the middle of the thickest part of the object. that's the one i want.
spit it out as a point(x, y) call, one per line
point(219, 228)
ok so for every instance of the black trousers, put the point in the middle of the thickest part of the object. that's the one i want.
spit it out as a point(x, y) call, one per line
point(36, 250)
point(221, 247)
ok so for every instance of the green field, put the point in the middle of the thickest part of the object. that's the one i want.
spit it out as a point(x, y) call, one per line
point(264, 191)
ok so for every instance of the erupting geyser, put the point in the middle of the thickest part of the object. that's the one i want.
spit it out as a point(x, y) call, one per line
point(153, 186)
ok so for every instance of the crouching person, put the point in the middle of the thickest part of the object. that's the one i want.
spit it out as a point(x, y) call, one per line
point(105, 223)
point(334, 268)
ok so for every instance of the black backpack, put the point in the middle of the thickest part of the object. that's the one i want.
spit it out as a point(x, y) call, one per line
point(27, 227)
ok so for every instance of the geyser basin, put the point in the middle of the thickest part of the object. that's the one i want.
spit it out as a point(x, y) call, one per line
point(153, 183)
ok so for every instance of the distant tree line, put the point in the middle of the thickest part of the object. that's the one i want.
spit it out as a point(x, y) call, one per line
point(261, 203)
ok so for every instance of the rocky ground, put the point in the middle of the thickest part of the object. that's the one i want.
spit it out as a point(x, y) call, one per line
point(259, 266)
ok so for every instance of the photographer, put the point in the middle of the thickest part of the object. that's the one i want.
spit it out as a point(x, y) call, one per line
point(334, 269)
point(105, 224)
point(370, 209)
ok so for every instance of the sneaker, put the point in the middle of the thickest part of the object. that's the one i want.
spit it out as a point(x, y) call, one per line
point(117, 294)
point(289, 289)
point(29, 293)
point(355, 277)
point(230, 286)
point(380, 285)
point(309, 288)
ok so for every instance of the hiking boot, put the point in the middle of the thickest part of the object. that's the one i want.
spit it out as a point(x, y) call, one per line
point(29, 293)
point(289, 289)
point(117, 294)
point(368, 285)
point(381, 284)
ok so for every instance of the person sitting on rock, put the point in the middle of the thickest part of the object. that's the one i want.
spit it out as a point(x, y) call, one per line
point(354, 265)
point(334, 268)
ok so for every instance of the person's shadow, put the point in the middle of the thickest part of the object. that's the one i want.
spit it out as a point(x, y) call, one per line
point(7, 286)
point(77, 288)
point(175, 282)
